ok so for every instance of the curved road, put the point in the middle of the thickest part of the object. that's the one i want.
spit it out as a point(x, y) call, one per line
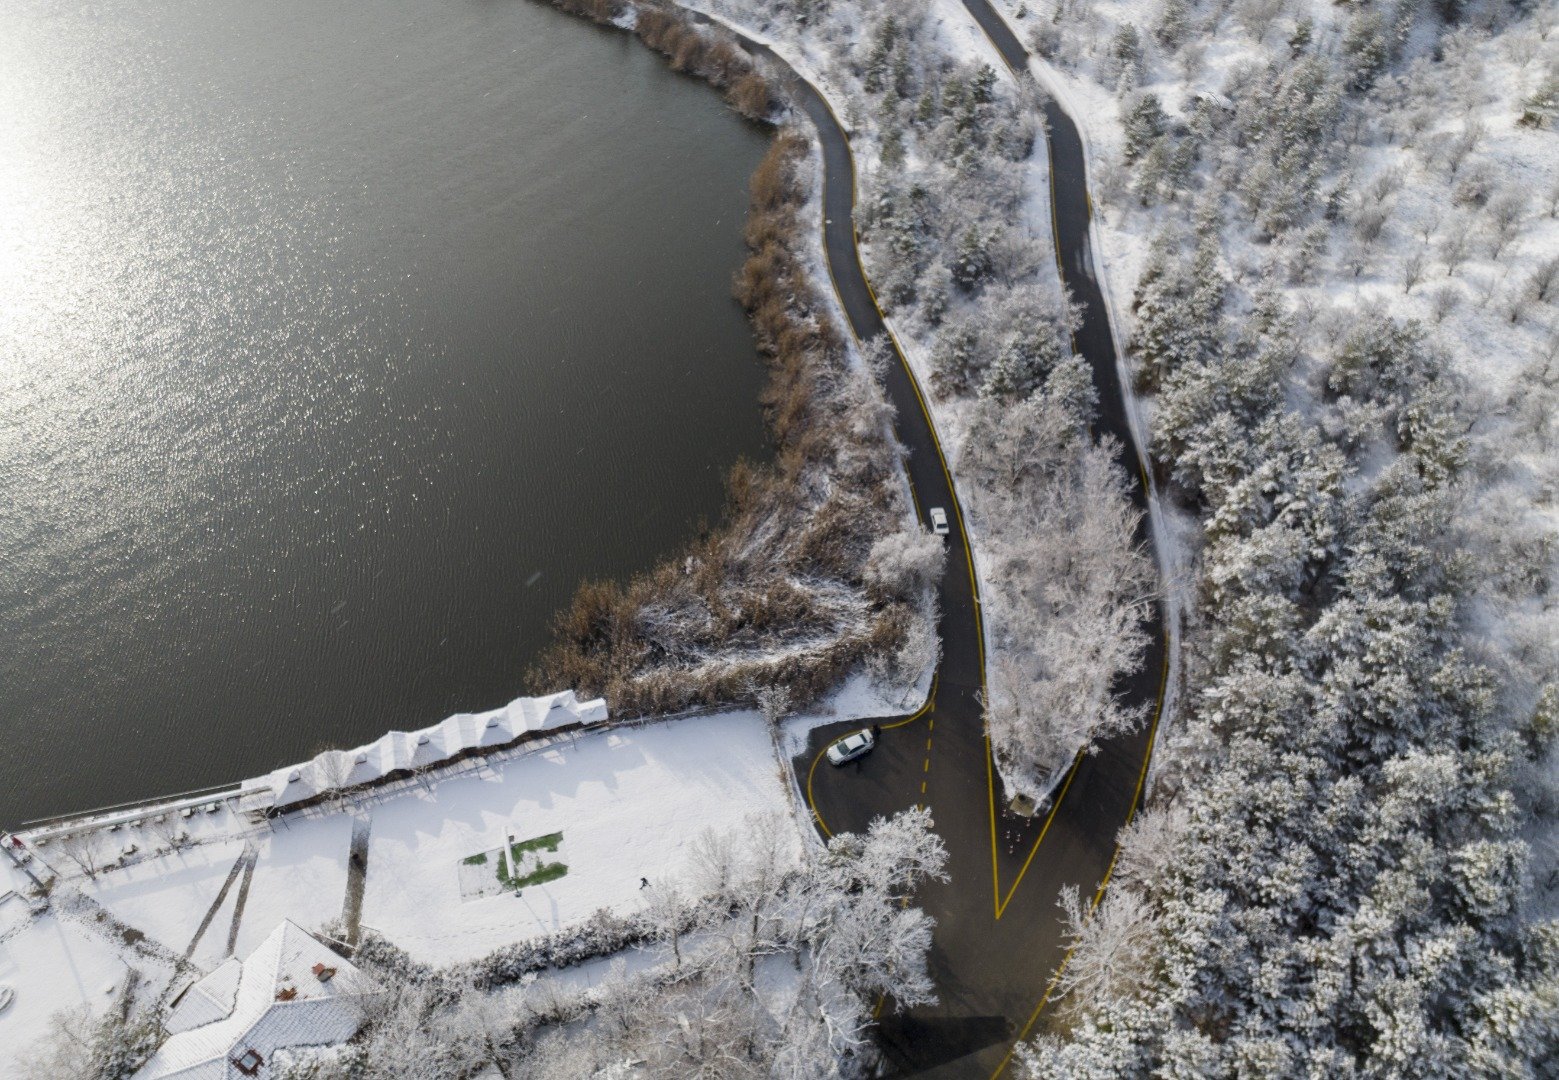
point(998, 937)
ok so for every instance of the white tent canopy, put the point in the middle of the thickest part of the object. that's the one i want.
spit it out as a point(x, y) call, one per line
point(401, 750)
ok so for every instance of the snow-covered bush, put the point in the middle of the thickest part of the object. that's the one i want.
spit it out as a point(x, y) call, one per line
point(906, 563)
point(603, 934)
point(80, 1046)
point(836, 928)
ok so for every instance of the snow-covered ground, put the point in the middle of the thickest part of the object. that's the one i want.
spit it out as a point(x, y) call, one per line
point(630, 804)
point(53, 965)
point(165, 898)
point(50, 963)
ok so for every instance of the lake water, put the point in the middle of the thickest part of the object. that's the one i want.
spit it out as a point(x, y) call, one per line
point(338, 342)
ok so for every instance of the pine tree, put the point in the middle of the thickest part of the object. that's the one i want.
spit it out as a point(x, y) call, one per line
point(982, 87)
point(1174, 23)
point(1304, 32)
point(926, 108)
point(972, 260)
point(1145, 122)
point(893, 148)
point(1125, 52)
point(956, 359)
point(877, 61)
point(1152, 174)
point(1365, 49)
point(1008, 378)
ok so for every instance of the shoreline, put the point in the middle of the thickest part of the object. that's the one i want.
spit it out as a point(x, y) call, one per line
point(775, 595)
point(723, 66)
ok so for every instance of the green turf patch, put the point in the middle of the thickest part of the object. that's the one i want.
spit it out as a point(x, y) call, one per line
point(549, 842)
point(511, 868)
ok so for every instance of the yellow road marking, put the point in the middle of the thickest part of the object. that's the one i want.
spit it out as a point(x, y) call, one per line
point(916, 715)
point(1098, 896)
point(999, 903)
point(990, 795)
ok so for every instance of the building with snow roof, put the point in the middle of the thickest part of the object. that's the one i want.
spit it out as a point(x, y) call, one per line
point(291, 992)
point(401, 753)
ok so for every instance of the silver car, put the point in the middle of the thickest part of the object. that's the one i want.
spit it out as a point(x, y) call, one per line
point(852, 746)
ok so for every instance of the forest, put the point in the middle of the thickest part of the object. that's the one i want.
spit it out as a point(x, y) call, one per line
point(1342, 324)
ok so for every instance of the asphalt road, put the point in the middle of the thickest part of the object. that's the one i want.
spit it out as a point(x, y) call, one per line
point(998, 937)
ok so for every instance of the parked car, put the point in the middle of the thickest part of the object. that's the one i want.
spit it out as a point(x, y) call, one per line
point(939, 521)
point(854, 745)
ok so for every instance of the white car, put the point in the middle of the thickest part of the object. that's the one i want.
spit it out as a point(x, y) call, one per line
point(939, 521)
point(852, 746)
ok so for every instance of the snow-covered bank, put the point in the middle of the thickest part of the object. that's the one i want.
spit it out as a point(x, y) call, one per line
point(782, 596)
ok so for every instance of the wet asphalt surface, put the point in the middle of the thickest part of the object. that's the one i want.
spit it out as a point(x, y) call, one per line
point(998, 936)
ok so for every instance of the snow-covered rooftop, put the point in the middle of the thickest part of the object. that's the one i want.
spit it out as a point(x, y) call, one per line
point(229, 1025)
point(209, 1000)
point(404, 750)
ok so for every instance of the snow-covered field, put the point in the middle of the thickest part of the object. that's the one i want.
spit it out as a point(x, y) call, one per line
point(53, 965)
point(165, 898)
point(630, 804)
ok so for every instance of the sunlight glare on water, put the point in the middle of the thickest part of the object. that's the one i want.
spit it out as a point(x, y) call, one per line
point(337, 343)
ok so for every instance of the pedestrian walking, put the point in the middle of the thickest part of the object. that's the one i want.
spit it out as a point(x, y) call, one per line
point(644, 883)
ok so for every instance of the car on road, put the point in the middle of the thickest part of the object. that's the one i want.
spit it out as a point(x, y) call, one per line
point(854, 745)
point(939, 521)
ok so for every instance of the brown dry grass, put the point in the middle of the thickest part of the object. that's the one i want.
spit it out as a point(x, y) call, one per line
point(776, 594)
point(709, 53)
point(597, 11)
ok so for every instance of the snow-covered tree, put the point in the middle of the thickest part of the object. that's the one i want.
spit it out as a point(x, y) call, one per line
point(81, 1046)
point(1145, 123)
point(906, 563)
point(87, 848)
